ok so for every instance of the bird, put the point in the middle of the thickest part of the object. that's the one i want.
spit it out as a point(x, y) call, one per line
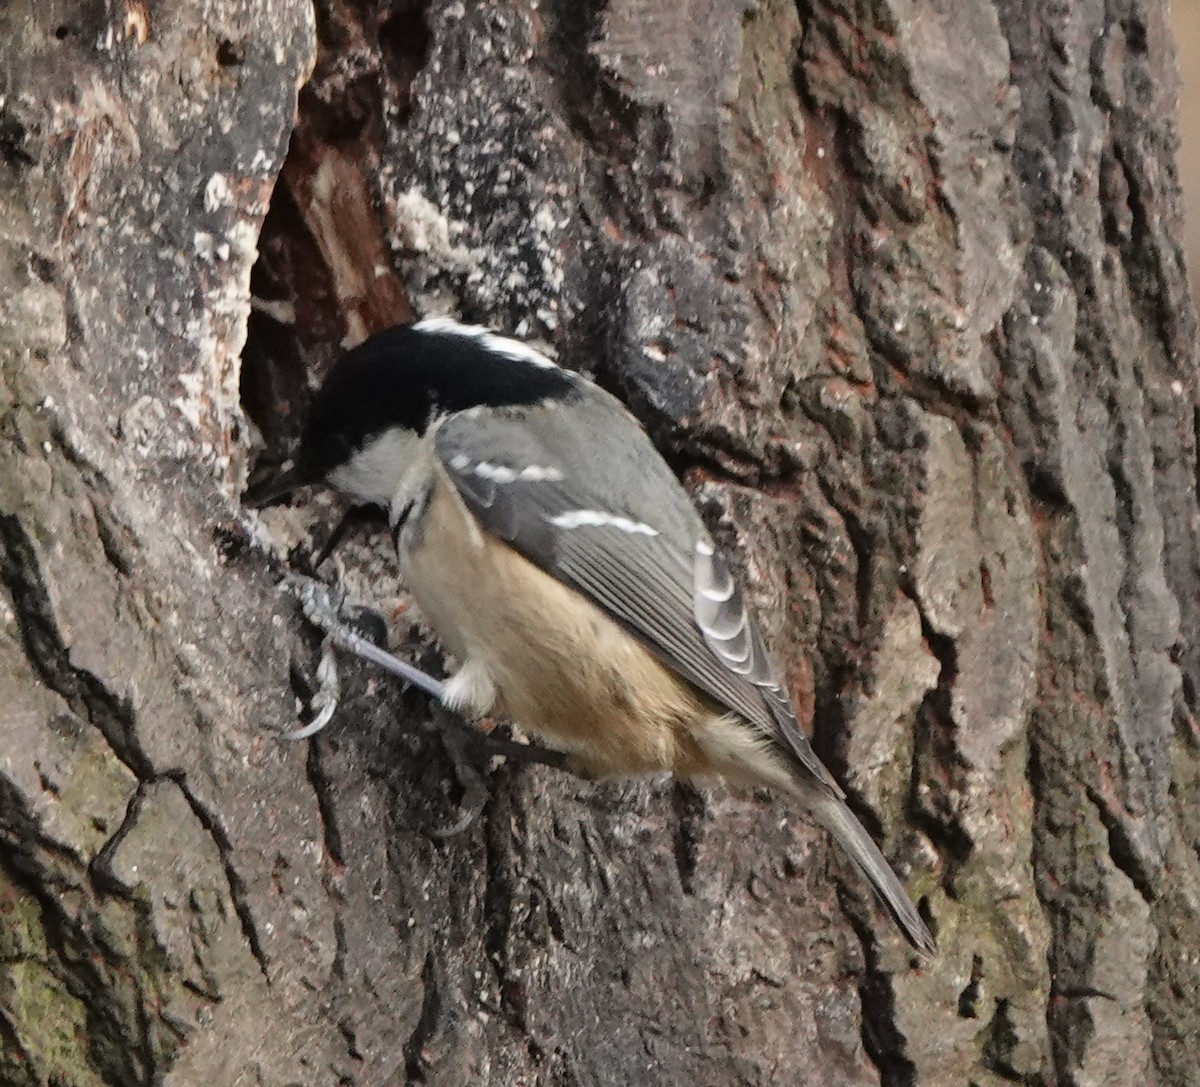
point(554, 553)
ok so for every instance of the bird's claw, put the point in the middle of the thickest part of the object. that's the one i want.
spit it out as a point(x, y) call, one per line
point(320, 602)
point(324, 701)
point(324, 606)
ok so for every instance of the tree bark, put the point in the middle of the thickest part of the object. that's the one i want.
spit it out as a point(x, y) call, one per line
point(897, 289)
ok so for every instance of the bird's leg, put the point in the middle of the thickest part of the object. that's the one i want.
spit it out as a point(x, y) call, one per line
point(455, 742)
point(352, 518)
point(489, 745)
point(324, 606)
point(467, 748)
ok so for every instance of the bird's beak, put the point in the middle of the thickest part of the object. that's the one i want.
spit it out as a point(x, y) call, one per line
point(266, 491)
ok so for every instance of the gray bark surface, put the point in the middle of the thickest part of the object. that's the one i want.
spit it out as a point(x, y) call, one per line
point(897, 289)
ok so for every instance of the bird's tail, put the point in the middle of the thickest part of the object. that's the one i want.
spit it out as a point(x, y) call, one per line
point(832, 813)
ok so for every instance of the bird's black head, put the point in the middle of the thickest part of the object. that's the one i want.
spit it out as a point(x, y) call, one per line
point(405, 377)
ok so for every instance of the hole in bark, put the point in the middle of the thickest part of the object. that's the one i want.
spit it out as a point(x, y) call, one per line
point(230, 53)
point(12, 141)
point(404, 41)
point(1136, 35)
point(968, 999)
point(985, 584)
point(1189, 690)
point(325, 274)
point(62, 32)
point(42, 268)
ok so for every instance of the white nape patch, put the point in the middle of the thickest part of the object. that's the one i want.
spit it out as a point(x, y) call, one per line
point(500, 345)
point(600, 519)
point(470, 691)
point(703, 547)
point(375, 472)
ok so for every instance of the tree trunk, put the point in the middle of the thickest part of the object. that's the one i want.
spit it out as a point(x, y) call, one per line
point(895, 286)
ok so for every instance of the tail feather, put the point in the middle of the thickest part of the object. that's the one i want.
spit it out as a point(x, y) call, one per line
point(840, 821)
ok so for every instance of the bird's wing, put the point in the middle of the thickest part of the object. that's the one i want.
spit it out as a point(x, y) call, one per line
point(621, 530)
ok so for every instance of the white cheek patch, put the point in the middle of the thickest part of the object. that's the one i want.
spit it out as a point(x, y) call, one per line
point(600, 519)
point(375, 472)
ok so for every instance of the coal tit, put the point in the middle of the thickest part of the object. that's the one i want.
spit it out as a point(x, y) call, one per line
point(556, 556)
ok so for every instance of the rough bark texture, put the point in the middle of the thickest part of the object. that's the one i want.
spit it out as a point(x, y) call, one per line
point(895, 285)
